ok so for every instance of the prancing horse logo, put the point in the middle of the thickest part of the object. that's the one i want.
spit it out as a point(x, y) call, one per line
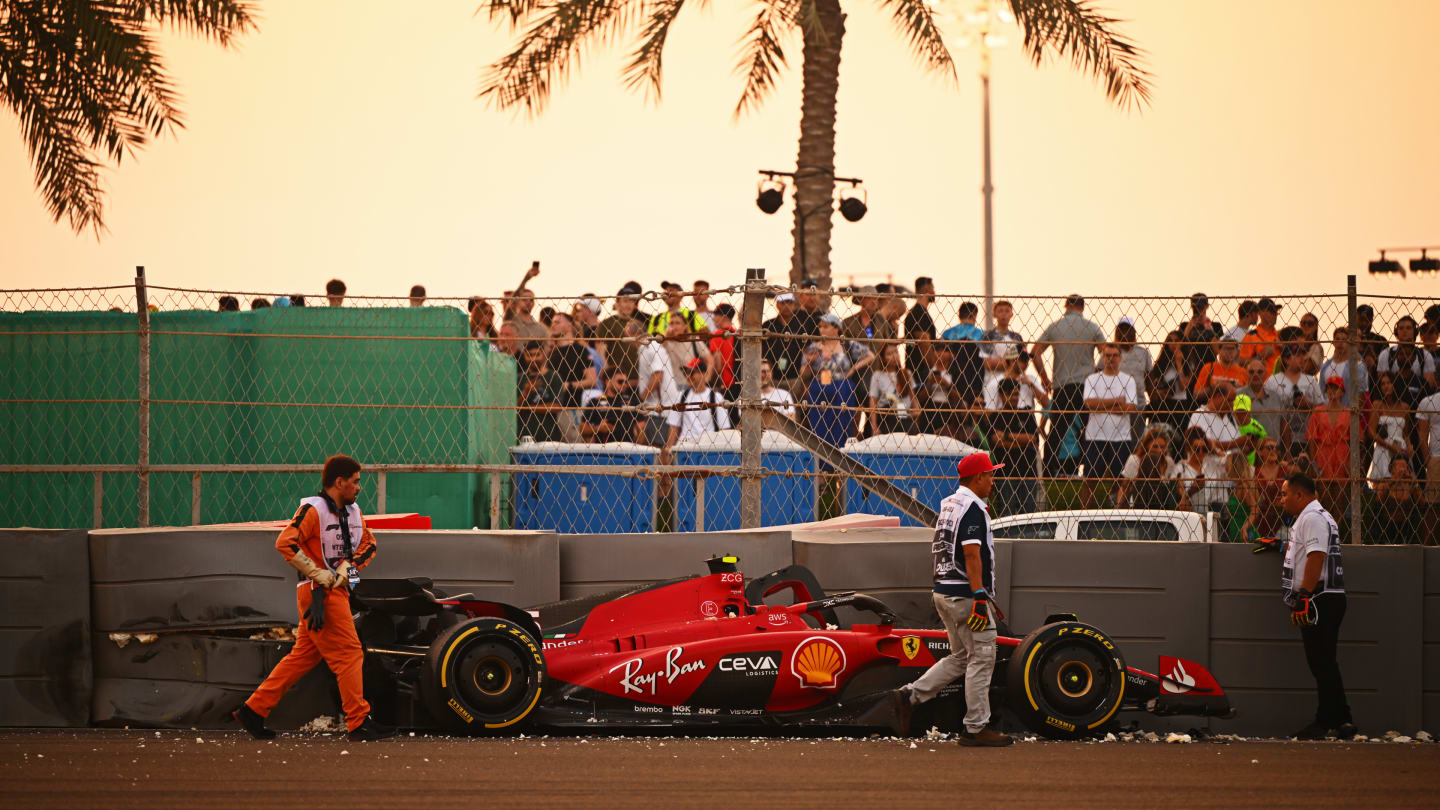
point(911, 646)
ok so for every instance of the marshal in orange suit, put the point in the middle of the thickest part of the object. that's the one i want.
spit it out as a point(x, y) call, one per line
point(328, 543)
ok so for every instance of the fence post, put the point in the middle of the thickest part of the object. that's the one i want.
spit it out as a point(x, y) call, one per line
point(1357, 485)
point(195, 499)
point(752, 425)
point(99, 500)
point(494, 501)
point(380, 492)
point(699, 503)
point(142, 307)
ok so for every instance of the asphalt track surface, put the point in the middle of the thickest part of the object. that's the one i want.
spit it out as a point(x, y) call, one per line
point(115, 769)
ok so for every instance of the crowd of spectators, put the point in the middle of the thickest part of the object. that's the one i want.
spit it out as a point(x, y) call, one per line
point(1210, 421)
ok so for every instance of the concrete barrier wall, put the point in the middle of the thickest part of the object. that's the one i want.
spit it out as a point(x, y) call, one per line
point(45, 664)
point(192, 680)
point(1430, 697)
point(892, 565)
point(1258, 658)
point(595, 563)
point(1216, 604)
point(173, 579)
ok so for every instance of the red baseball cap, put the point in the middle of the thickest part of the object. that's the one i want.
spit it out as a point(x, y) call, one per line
point(1336, 381)
point(974, 464)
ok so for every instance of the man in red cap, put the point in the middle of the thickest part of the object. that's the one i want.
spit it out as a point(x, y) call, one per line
point(964, 587)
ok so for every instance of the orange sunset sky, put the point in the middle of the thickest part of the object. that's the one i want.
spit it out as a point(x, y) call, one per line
point(1286, 141)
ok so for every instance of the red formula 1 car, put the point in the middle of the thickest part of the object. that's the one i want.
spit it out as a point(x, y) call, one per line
point(707, 652)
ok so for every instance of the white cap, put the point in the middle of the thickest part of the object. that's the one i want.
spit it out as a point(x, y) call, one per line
point(783, 297)
point(1127, 321)
point(592, 304)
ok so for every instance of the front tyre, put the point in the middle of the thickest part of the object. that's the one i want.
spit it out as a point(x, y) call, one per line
point(1066, 680)
point(482, 676)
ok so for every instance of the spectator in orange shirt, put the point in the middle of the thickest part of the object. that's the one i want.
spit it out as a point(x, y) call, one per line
point(722, 344)
point(1264, 340)
point(1223, 367)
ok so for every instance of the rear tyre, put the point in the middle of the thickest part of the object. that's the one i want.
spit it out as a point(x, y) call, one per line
point(1066, 680)
point(482, 676)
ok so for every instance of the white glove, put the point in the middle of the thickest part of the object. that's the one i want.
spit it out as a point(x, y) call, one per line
point(319, 575)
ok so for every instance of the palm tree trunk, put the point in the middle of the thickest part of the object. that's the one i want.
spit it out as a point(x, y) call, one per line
point(815, 165)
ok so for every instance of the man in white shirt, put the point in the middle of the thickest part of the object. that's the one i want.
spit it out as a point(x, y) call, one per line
point(657, 385)
point(1215, 420)
point(701, 410)
point(1339, 365)
point(777, 398)
point(1423, 364)
point(1110, 397)
point(1031, 391)
point(1312, 582)
point(1295, 394)
point(1245, 321)
point(1428, 416)
point(999, 342)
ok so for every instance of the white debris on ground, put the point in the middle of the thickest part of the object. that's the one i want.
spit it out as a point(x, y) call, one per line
point(121, 639)
point(274, 634)
point(322, 723)
point(936, 735)
point(1172, 737)
point(1424, 736)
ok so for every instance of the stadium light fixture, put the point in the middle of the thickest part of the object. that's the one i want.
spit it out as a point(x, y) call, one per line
point(770, 196)
point(1382, 266)
point(854, 206)
point(1424, 264)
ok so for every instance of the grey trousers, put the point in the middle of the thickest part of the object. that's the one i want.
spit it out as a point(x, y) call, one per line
point(971, 655)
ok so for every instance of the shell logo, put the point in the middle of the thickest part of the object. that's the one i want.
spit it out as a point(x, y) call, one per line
point(818, 662)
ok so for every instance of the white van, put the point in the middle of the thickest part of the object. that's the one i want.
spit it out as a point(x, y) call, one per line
point(1109, 524)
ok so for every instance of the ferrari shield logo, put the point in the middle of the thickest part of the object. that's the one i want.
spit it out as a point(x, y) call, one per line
point(911, 646)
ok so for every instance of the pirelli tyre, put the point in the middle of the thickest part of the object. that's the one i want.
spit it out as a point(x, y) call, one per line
point(1066, 680)
point(482, 676)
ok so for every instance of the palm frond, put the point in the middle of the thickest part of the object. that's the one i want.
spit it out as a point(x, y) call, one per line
point(86, 75)
point(513, 11)
point(644, 68)
point(1091, 41)
point(917, 22)
point(220, 20)
point(550, 48)
point(763, 55)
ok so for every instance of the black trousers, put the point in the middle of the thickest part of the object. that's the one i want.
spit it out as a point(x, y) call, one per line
point(1320, 641)
point(1067, 407)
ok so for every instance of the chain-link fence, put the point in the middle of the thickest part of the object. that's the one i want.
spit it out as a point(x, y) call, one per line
point(1123, 418)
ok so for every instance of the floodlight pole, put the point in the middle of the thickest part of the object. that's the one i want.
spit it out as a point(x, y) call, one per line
point(987, 189)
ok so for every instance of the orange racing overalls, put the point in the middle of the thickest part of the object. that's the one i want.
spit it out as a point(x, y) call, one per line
point(316, 531)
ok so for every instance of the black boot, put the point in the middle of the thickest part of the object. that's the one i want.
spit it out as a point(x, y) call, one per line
point(902, 708)
point(253, 723)
point(370, 731)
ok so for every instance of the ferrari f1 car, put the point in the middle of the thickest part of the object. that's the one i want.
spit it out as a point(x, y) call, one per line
point(708, 652)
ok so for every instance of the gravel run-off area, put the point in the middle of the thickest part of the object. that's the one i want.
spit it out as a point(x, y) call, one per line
point(117, 769)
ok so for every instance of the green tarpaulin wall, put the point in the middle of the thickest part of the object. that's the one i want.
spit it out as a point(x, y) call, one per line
point(248, 393)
